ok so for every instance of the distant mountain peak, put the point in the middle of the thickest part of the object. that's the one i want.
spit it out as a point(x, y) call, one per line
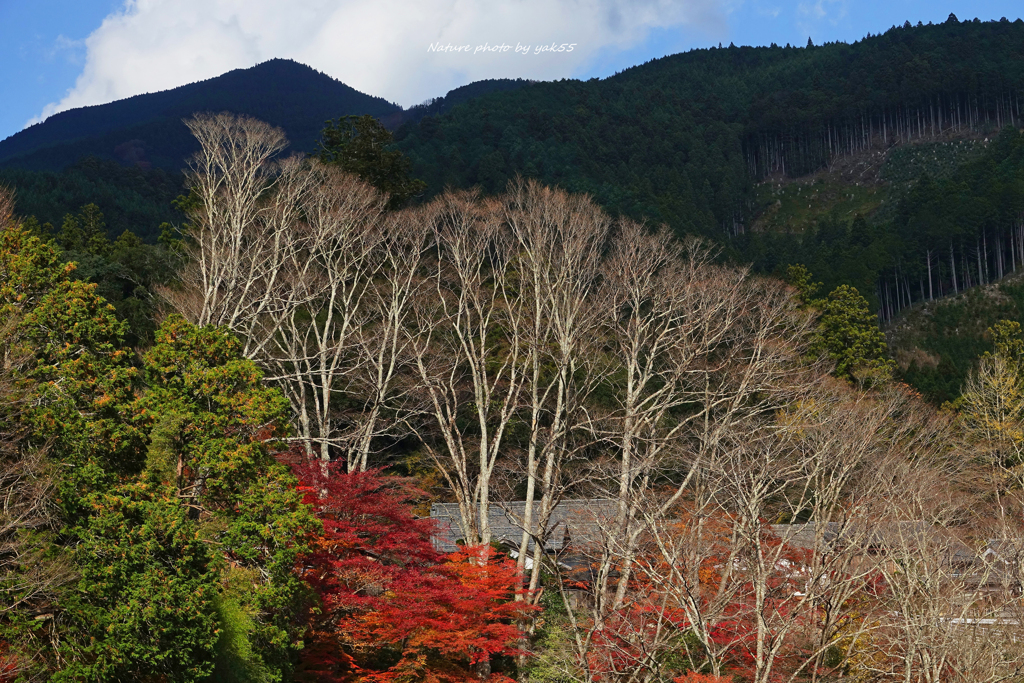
point(282, 92)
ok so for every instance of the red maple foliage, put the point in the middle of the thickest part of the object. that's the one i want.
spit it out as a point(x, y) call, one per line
point(11, 665)
point(391, 607)
point(694, 677)
point(650, 619)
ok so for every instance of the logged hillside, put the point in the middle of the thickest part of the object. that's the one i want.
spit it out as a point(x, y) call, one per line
point(701, 140)
point(146, 130)
point(931, 232)
point(682, 139)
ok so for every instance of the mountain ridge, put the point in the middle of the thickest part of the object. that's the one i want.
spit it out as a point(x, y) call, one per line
point(143, 130)
point(146, 129)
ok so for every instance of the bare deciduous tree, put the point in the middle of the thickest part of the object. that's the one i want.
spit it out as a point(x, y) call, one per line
point(948, 613)
point(704, 357)
point(559, 242)
point(308, 334)
point(229, 179)
point(386, 378)
point(471, 364)
point(291, 254)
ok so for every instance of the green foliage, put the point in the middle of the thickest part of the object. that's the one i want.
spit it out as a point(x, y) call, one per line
point(162, 456)
point(131, 198)
point(800, 278)
point(226, 414)
point(939, 160)
point(992, 405)
point(236, 660)
point(157, 558)
point(938, 343)
point(958, 214)
point(553, 659)
point(848, 334)
point(139, 607)
point(85, 232)
point(362, 146)
point(1008, 341)
point(143, 608)
point(221, 439)
point(126, 270)
point(82, 378)
point(800, 205)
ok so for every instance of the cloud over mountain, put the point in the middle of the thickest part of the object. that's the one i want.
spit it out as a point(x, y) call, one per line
point(381, 47)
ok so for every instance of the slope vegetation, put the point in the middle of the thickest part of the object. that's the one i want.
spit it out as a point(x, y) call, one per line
point(683, 139)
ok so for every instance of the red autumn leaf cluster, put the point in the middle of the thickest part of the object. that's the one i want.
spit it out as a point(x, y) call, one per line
point(651, 617)
point(694, 677)
point(391, 607)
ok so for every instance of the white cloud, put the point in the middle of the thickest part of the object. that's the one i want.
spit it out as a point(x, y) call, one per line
point(832, 11)
point(379, 47)
point(72, 50)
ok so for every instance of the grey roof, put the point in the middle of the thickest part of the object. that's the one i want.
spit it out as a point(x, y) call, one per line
point(571, 519)
point(804, 535)
point(878, 537)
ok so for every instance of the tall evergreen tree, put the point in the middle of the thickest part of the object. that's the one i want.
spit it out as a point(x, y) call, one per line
point(848, 334)
point(362, 146)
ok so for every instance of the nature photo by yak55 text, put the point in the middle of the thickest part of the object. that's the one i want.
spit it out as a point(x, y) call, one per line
point(574, 341)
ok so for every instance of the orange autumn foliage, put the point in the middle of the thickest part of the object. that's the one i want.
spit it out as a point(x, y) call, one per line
point(391, 607)
point(694, 677)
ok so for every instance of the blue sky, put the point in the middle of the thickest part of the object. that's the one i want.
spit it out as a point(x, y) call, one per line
point(39, 62)
point(763, 22)
point(65, 53)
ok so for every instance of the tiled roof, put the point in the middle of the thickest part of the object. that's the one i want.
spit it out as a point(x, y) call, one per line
point(571, 519)
point(878, 537)
point(804, 535)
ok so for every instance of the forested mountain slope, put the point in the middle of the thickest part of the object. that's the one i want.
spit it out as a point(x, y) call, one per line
point(937, 343)
point(682, 139)
point(691, 139)
point(132, 198)
point(440, 105)
point(125, 156)
point(147, 130)
point(879, 164)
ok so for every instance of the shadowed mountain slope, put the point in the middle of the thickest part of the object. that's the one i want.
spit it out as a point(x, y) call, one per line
point(146, 130)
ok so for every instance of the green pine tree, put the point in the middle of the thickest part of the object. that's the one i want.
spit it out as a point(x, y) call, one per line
point(361, 145)
point(848, 334)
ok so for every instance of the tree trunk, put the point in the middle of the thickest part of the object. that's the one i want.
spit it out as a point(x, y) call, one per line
point(931, 295)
